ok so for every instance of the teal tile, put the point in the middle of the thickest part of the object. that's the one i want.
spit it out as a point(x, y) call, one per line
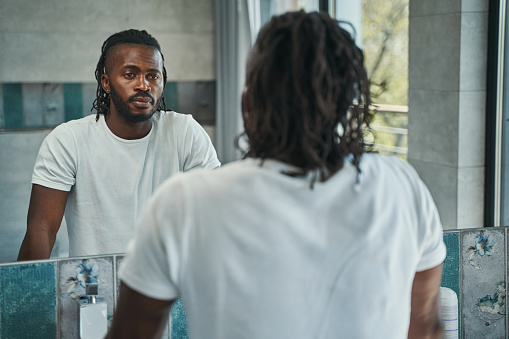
point(13, 106)
point(451, 271)
point(178, 321)
point(73, 104)
point(53, 104)
point(28, 297)
point(171, 95)
point(1, 108)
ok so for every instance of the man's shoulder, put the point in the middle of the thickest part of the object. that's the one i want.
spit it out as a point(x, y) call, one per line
point(74, 126)
point(164, 117)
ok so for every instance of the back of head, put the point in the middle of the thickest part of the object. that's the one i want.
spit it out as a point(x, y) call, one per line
point(308, 94)
point(130, 36)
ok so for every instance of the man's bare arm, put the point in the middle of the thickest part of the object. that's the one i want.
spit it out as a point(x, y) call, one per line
point(138, 316)
point(424, 317)
point(45, 214)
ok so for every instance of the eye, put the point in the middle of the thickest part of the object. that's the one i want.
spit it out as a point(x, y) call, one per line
point(129, 75)
point(154, 76)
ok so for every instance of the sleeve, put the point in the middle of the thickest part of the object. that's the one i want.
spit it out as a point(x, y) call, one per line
point(198, 147)
point(55, 166)
point(154, 257)
point(430, 232)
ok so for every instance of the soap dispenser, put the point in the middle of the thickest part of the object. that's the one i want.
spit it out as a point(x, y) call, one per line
point(93, 314)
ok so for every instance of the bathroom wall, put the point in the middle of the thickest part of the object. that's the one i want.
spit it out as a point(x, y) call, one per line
point(47, 61)
point(37, 299)
point(447, 99)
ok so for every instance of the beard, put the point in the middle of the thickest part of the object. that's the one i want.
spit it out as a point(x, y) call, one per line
point(126, 113)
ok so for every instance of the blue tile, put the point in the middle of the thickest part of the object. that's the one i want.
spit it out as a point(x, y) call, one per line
point(171, 96)
point(73, 104)
point(28, 292)
point(178, 321)
point(483, 283)
point(13, 106)
point(451, 271)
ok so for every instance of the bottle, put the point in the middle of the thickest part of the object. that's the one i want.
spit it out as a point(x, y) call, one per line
point(449, 312)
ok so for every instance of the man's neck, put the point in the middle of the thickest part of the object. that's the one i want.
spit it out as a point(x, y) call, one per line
point(127, 130)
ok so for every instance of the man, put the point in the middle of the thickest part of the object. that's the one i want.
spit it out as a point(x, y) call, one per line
point(308, 237)
point(102, 169)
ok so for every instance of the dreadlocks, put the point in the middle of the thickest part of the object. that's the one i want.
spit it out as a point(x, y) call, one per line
point(308, 93)
point(131, 36)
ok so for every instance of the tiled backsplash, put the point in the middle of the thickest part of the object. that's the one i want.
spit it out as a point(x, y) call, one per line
point(46, 105)
point(37, 299)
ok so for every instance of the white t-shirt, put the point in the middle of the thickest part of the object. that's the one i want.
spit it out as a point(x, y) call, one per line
point(110, 179)
point(254, 253)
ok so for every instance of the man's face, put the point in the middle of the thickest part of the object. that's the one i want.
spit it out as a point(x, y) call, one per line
point(134, 80)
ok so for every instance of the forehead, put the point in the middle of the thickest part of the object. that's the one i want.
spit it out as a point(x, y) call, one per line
point(133, 55)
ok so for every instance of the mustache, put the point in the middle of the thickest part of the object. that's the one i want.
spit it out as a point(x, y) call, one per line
point(141, 95)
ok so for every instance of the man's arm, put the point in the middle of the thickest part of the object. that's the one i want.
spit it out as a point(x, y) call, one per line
point(138, 316)
point(45, 214)
point(424, 317)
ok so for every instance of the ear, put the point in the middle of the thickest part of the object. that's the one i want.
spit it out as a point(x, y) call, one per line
point(246, 104)
point(105, 83)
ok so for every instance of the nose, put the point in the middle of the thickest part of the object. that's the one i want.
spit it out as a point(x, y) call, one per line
point(143, 85)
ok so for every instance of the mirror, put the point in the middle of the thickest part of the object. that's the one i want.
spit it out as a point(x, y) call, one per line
point(48, 58)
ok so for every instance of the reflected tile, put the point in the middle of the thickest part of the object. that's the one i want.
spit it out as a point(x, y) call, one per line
point(71, 282)
point(178, 321)
point(483, 283)
point(28, 300)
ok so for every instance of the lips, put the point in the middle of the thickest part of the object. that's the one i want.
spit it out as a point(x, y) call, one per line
point(141, 102)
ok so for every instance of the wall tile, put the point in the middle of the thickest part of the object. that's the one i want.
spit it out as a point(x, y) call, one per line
point(178, 321)
point(73, 105)
point(474, 5)
point(442, 183)
point(53, 104)
point(434, 7)
point(198, 98)
point(89, 94)
point(28, 300)
point(193, 59)
point(483, 283)
point(72, 285)
point(13, 108)
point(69, 16)
point(433, 111)
point(470, 197)
point(430, 39)
point(33, 105)
point(18, 152)
point(1, 106)
point(171, 96)
point(176, 16)
point(472, 108)
point(474, 43)
point(68, 57)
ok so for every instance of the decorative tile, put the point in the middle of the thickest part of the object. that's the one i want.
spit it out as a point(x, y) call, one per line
point(53, 104)
point(483, 283)
point(73, 275)
point(32, 105)
point(178, 321)
point(28, 300)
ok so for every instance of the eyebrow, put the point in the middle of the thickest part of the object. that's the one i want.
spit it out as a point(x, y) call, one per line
point(139, 69)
